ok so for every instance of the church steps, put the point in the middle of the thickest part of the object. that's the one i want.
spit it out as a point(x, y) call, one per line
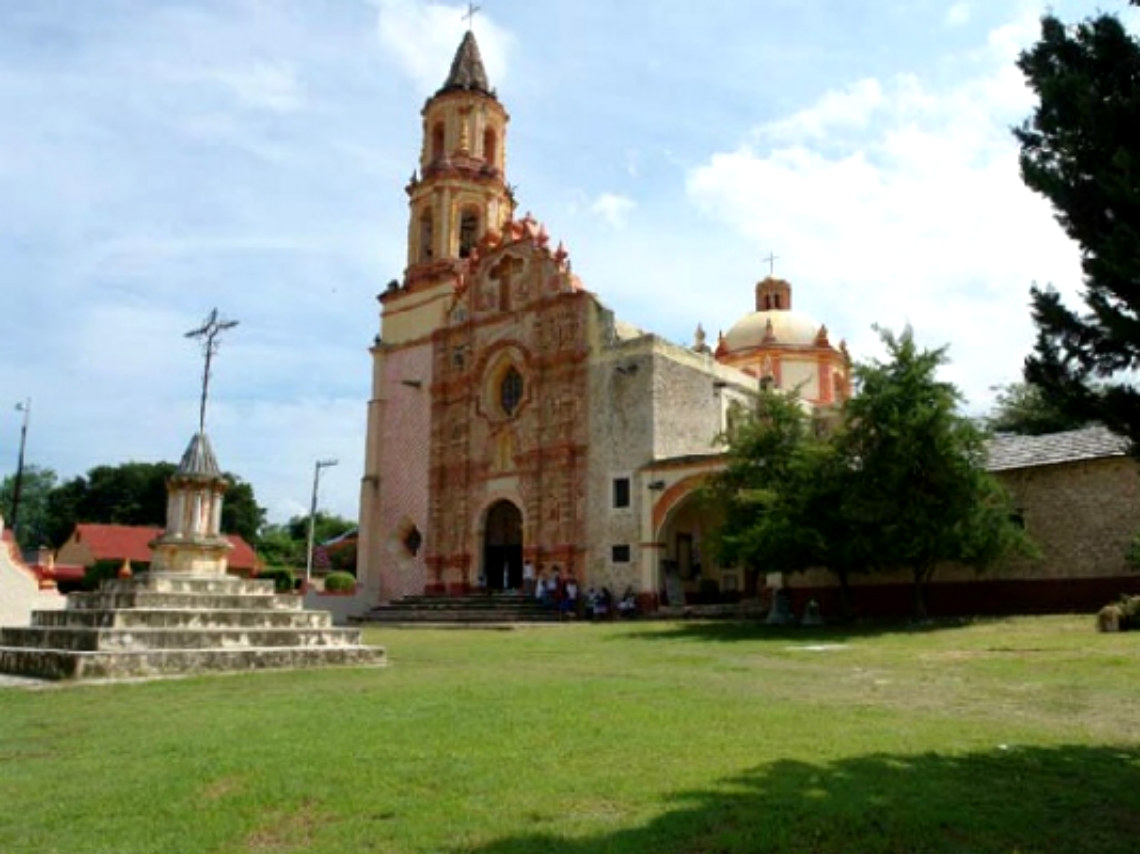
point(118, 664)
point(464, 609)
point(171, 618)
point(139, 639)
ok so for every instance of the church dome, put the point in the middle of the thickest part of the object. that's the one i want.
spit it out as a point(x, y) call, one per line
point(772, 327)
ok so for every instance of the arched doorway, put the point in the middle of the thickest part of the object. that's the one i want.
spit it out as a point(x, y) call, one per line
point(502, 547)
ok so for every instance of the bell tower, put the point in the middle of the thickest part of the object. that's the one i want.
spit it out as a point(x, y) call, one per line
point(459, 192)
point(457, 195)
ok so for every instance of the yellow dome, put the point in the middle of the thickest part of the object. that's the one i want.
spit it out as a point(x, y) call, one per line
point(788, 328)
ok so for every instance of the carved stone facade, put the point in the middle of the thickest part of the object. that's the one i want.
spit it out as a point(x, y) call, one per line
point(509, 415)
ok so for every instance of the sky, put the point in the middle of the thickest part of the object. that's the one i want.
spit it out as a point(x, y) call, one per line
point(160, 158)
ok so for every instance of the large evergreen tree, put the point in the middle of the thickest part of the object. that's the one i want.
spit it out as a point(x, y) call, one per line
point(1081, 150)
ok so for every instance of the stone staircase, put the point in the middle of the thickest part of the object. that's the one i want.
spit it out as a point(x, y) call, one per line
point(463, 609)
point(163, 624)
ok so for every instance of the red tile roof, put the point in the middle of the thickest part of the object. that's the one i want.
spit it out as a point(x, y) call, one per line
point(118, 542)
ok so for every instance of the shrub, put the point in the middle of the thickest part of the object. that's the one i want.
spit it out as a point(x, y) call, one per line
point(1119, 616)
point(282, 577)
point(339, 582)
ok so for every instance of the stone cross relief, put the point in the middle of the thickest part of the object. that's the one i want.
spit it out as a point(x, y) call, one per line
point(497, 291)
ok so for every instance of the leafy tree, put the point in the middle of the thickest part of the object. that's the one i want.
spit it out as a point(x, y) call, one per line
point(1026, 409)
point(1081, 150)
point(277, 548)
point(286, 545)
point(33, 522)
point(134, 493)
point(782, 494)
point(919, 491)
point(326, 526)
point(762, 529)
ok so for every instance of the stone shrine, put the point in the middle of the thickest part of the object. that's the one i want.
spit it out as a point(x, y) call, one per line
point(185, 615)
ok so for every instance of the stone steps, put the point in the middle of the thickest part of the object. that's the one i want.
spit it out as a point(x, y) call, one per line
point(166, 624)
point(184, 618)
point(94, 640)
point(152, 600)
point(73, 664)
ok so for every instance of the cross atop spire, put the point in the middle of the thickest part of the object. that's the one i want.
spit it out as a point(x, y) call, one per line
point(771, 261)
point(469, 16)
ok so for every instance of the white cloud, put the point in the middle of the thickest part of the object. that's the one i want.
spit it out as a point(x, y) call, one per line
point(848, 109)
point(613, 208)
point(958, 14)
point(422, 38)
point(895, 202)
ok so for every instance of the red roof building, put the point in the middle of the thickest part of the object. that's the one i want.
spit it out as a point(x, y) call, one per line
point(89, 543)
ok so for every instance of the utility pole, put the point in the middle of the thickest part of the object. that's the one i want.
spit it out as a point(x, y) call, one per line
point(24, 406)
point(320, 464)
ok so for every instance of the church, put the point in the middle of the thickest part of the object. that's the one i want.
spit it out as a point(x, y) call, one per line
point(513, 418)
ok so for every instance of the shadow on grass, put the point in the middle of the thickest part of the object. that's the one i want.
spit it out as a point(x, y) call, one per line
point(1071, 798)
point(745, 630)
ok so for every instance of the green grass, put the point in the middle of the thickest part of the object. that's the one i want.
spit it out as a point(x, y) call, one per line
point(1015, 735)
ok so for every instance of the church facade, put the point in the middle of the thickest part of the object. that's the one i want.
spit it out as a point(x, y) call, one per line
point(514, 418)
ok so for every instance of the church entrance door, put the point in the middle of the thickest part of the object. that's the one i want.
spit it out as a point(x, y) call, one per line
point(502, 547)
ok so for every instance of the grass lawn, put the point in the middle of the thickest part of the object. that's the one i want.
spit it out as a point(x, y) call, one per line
point(1018, 735)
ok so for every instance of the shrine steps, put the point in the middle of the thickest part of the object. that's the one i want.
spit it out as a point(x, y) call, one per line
point(159, 625)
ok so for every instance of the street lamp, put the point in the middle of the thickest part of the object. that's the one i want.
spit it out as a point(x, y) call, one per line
point(24, 406)
point(320, 464)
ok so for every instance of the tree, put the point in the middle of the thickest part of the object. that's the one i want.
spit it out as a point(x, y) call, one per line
point(286, 545)
point(1081, 150)
point(134, 493)
point(782, 493)
point(919, 491)
point(34, 521)
point(1026, 409)
point(762, 528)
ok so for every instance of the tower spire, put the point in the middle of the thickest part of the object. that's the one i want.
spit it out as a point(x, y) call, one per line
point(467, 71)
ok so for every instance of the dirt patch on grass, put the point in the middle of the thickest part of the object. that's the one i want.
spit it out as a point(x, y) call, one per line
point(285, 831)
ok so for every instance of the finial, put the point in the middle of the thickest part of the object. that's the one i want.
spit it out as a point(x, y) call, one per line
point(699, 340)
point(209, 332)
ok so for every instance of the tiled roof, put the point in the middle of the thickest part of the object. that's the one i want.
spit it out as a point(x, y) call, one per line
point(1009, 451)
point(117, 542)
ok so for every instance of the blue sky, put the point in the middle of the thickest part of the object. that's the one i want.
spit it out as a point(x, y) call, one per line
point(158, 159)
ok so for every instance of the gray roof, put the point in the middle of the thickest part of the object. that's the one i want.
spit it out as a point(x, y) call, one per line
point(199, 459)
point(467, 70)
point(1009, 451)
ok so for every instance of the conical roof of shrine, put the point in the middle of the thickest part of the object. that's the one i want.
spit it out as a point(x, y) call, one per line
point(199, 460)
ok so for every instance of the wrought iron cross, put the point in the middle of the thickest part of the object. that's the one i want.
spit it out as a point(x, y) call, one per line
point(470, 14)
point(771, 259)
point(208, 332)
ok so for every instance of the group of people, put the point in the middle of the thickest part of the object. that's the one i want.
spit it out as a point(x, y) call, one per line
point(561, 592)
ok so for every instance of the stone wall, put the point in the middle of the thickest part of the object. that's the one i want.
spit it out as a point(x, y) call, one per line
point(1081, 515)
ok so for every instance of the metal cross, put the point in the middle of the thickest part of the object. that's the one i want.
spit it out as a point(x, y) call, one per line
point(209, 332)
point(470, 16)
point(771, 259)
